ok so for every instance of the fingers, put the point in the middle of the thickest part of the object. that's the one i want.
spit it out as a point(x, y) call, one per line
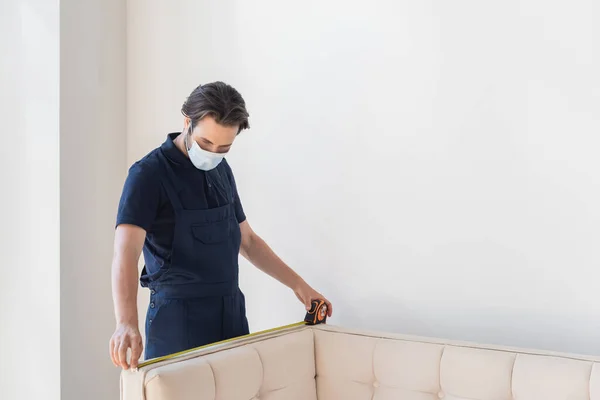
point(136, 352)
point(308, 303)
point(125, 338)
point(111, 350)
point(122, 356)
point(319, 296)
point(329, 308)
point(307, 299)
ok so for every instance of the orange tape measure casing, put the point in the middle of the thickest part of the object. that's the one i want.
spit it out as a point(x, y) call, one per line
point(317, 313)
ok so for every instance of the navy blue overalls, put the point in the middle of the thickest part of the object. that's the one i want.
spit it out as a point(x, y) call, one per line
point(194, 297)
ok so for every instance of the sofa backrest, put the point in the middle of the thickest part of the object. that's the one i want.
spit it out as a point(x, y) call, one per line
point(329, 363)
point(357, 366)
point(278, 368)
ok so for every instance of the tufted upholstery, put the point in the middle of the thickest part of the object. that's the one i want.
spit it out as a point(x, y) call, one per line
point(329, 363)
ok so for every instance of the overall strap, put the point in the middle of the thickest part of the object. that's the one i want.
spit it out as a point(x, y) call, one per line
point(170, 183)
point(219, 179)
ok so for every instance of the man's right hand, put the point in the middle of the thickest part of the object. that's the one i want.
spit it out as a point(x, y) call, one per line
point(129, 241)
point(126, 336)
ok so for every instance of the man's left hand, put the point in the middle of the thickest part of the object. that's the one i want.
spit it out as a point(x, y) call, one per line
point(307, 294)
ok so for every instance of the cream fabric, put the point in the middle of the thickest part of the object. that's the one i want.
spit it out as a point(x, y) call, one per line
point(195, 376)
point(595, 382)
point(330, 363)
point(476, 374)
point(551, 378)
point(279, 368)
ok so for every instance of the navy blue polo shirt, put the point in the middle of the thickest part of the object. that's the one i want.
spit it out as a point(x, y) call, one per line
point(144, 201)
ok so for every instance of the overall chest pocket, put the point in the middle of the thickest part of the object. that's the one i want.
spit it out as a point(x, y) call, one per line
point(212, 233)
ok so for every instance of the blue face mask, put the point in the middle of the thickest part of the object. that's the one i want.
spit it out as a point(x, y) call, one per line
point(202, 159)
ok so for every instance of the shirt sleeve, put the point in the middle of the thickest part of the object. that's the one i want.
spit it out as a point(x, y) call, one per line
point(237, 203)
point(140, 198)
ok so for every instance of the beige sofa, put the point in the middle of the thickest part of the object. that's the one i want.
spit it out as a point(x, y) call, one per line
point(331, 363)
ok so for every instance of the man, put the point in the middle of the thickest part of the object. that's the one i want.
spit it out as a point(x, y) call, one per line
point(180, 206)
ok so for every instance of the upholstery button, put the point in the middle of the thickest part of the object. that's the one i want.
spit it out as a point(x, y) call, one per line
point(441, 395)
point(375, 384)
point(151, 305)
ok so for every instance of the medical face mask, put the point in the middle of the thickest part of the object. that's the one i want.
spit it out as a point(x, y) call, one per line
point(202, 159)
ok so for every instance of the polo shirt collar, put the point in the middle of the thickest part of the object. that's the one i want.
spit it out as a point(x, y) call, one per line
point(173, 153)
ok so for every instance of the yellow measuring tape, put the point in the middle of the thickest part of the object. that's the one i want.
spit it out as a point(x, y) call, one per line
point(316, 315)
point(184, 352)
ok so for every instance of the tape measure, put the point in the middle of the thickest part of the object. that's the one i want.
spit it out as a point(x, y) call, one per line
point(316, 315)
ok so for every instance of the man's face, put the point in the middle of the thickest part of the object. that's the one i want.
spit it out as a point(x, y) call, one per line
point(211, 136)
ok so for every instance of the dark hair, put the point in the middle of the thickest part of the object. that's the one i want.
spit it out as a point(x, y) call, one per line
point(219, 100)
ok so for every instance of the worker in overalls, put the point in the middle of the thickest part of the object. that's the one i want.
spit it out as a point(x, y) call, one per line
point(181, 208)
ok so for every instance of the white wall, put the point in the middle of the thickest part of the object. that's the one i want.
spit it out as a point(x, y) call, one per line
point(29, 201)
point(62, 107)
point(92, 169)
point(430, 166)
